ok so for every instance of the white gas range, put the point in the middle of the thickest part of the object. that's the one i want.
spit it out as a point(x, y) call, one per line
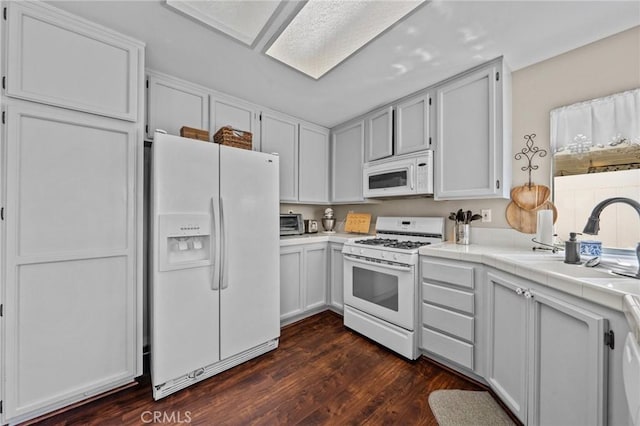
point(381, 280)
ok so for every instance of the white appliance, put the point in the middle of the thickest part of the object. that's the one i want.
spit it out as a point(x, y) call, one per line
point(381, 280)
point(407, 175)
point(215, 292)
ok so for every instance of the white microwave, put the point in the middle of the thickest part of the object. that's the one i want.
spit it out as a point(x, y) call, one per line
point(406, 175)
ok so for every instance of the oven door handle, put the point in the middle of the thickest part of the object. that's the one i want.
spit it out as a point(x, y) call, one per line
point(384, 265)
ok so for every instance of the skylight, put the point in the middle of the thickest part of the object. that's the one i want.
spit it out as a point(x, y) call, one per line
point(242, 20)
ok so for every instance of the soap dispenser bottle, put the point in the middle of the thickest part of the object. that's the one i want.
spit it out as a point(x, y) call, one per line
point(572, 249)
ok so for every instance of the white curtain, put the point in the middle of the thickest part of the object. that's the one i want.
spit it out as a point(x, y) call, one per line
point(598, 123)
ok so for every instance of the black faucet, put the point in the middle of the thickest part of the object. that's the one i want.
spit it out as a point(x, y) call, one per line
point(593, 224)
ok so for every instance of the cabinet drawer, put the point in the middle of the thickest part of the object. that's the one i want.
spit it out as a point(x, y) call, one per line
point(448, 347)
point(449, 297)
point(458, 325)
point(451, 274)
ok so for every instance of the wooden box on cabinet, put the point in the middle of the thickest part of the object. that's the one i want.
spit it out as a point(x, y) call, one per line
point(191, 133)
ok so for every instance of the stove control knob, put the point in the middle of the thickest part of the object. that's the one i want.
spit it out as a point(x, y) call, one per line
point(361, 251)
point(382, 255)
point(351, 249)
point(395, 257)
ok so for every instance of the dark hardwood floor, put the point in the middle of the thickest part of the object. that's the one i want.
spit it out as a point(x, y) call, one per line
point(322, 373)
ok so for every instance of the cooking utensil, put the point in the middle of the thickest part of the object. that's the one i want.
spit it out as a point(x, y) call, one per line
point(530, 197)
point(526, 221)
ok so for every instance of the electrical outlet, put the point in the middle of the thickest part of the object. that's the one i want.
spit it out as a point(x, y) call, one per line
point(486, 215)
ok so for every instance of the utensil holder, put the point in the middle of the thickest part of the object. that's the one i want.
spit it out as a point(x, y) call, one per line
point(463, 231)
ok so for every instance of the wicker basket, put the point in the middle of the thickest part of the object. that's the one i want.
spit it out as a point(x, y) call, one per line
point(233, 137)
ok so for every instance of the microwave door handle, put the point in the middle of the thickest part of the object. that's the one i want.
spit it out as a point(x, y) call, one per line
point(386, 266)
point(411, 176)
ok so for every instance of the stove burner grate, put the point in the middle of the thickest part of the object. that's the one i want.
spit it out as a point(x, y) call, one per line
point(393, 243)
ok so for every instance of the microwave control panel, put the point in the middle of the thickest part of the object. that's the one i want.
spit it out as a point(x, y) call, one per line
point(424, 173)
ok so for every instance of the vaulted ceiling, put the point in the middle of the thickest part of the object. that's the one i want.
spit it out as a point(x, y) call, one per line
point(440, 39)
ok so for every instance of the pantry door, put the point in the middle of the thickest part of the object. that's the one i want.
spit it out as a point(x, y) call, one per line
point(70, 326)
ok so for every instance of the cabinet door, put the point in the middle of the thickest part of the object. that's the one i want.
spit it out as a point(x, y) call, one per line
point(237, 115)
point(291, 279)
point(507, 342)
point(336, 289)
point(468, 145)
point(379, 134)
point(71, 295)
point(315, 262)
point(313, 164)
point(58, 59)
point(279, 135)
point(347, 155)
point(568, 366)
point(412, 125)
point(173, 103)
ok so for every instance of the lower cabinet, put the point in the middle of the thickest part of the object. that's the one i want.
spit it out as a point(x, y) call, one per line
point(336, 271)
point(547, 357)
point(303, 279)
point(507, 332)
point(541, 351)
point(448, 310)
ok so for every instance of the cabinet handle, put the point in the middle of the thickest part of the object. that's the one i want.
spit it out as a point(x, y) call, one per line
point(519, 291)
point(528, 294)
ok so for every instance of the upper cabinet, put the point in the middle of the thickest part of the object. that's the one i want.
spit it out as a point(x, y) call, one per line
point(473, 135)
point(239, 115)
point(303, 149)
point(313, 168)
point(279, 134)
point(58, 59)
point(173, 103)
point(347, 157)
point(412, 124)
point(379, 134)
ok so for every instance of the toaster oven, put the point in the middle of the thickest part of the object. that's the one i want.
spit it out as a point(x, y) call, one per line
point(291, 224)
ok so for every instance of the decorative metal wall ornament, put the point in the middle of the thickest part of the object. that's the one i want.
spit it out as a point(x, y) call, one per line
point(530, 151)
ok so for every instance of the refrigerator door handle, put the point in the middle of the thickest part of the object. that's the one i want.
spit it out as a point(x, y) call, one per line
point(223, 248)
point(215, 252)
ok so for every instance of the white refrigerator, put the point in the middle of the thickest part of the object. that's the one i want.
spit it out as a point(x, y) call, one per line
point(215, 280)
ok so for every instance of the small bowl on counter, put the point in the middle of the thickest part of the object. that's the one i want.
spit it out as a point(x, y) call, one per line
point(591, 248)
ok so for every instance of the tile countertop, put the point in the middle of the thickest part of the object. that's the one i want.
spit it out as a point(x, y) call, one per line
point(596, 285)
point(319, 237)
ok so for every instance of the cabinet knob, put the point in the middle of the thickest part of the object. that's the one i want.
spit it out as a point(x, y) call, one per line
point(519, 291)
point(528, 294)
